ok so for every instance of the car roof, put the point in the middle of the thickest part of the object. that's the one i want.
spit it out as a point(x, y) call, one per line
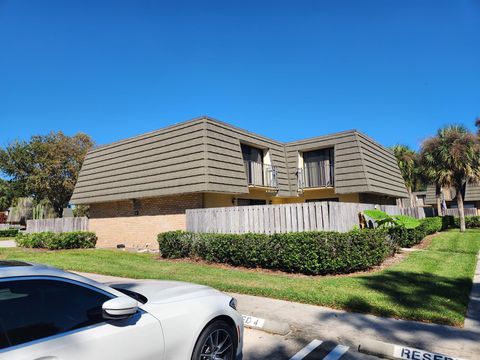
point(15, 269)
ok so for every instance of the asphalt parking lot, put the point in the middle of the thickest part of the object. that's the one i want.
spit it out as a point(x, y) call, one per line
point(259, 345)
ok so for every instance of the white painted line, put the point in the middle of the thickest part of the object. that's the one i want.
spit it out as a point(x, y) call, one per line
point(306, 350)
point(336, 353)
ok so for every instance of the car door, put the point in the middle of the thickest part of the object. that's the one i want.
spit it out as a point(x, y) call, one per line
point(45, 318)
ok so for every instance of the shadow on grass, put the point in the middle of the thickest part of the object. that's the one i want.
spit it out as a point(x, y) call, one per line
point(446, 299)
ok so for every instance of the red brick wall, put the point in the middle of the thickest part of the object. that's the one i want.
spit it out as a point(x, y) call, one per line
point(166, 205)
point(118, 223)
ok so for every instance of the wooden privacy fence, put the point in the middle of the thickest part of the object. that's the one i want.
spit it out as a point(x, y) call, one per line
point(58, 225)
point(269, 219)
point(468, 212)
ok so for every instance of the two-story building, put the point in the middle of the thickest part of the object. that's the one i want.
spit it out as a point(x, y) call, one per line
point(141, 186)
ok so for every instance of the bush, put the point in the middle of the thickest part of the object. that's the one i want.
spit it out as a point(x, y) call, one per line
point(470, 222)
point(57, 241)
point(8, 233)
point(404, 237)
point(431, 225)
point(305, 252)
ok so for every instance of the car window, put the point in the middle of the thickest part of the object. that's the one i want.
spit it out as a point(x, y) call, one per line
point(35, 309)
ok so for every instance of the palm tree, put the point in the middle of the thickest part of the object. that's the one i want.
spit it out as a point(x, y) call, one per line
point(453, 157)
point(407, 162)
point(428, 169)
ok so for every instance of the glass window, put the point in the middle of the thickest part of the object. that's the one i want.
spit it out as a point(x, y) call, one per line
point(252, 154)
point(317, 156)
point(35, 309)
point(247, 202)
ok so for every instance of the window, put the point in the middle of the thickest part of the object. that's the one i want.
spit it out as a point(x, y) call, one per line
point(246, 202)
point(253, 160)
point(318, 168)
point(326, 199)
point(252, 154)
point(35, 309)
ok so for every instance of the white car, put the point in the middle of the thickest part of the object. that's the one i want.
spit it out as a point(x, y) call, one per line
point(50, 314)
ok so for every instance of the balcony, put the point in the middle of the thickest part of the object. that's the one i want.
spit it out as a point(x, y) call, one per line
point(315, 175)
point(259, 174)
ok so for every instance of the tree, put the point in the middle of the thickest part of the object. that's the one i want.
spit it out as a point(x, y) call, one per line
point(407, 162)
point(453, 157)
point(477, 124)
point(46, 167)
point(428, 169)
point(9, 191)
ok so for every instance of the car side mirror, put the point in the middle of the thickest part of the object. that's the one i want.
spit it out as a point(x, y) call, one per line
point(120, 307)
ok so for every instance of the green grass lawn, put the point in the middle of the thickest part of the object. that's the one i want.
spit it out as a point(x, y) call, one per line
point(6, 238)
point(431, 285)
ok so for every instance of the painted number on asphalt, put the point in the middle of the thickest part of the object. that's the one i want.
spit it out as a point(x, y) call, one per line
point(253, 321)
point(407, 353)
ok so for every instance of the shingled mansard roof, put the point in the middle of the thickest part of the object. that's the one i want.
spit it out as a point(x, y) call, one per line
point(472, 193)
point(204, 155)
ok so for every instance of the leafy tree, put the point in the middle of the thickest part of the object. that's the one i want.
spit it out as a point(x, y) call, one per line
point(453, 158)
point(408, 163)
point(46, 167)
point(9, 190)
point(477, 124)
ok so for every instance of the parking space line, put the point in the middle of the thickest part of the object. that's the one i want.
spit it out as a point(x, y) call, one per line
point(306, 350)
point(336, 353)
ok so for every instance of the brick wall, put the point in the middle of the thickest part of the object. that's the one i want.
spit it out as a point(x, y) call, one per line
point(134, 231)
point(165, 205)
point(136, 223)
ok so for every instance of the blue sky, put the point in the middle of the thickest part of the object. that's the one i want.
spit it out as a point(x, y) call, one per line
point(396, 70)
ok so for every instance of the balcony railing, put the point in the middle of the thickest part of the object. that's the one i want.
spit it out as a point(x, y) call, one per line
point(314, 175)
point(259, 174)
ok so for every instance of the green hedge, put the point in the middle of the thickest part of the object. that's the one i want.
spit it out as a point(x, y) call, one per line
point(409, 237)
point(56, 241)
point(8, 233)
point(470, 222)
point(305, 252)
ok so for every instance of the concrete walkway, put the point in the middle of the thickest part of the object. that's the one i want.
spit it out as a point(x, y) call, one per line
point(472, 320)
point(353, 328)
point(7, 244)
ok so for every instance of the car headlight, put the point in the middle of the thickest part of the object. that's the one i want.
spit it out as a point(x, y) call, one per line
point(233, 303)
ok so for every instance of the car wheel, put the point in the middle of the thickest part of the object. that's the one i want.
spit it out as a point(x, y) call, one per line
point(216, 342)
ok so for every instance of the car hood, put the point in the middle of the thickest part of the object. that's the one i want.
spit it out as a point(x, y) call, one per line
point(157, 291)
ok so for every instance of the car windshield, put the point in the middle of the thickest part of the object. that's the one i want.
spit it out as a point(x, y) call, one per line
point(139, 297)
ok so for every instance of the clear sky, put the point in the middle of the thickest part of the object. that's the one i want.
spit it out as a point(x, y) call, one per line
point(396, 70)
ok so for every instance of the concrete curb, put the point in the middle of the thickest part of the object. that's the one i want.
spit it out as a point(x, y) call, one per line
point(398, 352)
point(267, 325)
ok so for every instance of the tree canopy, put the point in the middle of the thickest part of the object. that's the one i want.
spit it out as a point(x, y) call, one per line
point(451, 158)
point(46, 166)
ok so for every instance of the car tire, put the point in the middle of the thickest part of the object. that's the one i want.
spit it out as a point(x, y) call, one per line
point(217, 341)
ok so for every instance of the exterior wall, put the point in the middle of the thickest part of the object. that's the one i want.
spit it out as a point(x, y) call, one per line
point(226, 171)
point(117, 223)
point(204, 155)
point(164, 162)
point(348, 166)
point(134, 231)
point(381, 168)
point(472, 194)
point(225, 200)
point(376, 199)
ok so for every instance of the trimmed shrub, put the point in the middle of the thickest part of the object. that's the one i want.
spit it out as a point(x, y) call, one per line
point(470, 222)
point(448, 222)
point(431, 225)
point(306, 252)
point(409, 237)
point(8, 233)
point(57, 241)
